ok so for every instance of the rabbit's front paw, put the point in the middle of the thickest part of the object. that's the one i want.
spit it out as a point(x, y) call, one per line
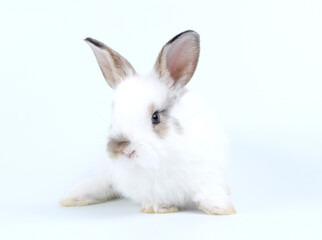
point(214, 210)
point(170, 209)
point(82, 200)
point(73, 202)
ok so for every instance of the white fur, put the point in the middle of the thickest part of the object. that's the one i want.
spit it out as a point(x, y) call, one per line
point(165, 172)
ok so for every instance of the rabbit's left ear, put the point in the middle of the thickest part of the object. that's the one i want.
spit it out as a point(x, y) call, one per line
point(114, 67)
point(178, 59)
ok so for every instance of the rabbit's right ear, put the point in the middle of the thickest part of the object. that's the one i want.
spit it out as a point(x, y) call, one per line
point(114, 67)
point(178, 59)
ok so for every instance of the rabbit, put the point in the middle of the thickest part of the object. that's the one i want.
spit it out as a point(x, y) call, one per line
point(165, 146)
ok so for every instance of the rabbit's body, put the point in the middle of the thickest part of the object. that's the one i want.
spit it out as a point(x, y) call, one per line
point(180, 156)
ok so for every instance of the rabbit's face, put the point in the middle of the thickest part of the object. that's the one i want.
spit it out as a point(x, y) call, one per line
point(142, 107)
point(141, 120)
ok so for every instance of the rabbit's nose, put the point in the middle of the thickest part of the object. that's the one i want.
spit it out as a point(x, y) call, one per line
point(122, 145)
point(116, 146)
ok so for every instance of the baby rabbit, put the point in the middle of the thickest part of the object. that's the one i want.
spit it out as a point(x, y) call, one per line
point(165, 146)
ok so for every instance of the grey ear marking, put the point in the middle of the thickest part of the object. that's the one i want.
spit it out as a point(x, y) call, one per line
point(179, 57)
point(179, 35)
point(94, 42)
point(114, 67)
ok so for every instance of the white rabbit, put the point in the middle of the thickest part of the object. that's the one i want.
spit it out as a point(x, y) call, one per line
point(165, 146)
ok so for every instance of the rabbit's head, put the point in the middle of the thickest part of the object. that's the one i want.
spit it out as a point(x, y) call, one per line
point(142, 108)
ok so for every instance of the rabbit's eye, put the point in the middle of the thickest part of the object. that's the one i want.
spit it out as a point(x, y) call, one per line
point(155, 118)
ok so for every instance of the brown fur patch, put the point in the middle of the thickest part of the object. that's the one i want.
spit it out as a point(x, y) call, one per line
point(161, 129)
point(116, 146)
point(122, 66)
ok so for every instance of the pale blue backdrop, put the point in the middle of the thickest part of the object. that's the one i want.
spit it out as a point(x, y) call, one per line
point(260, 68)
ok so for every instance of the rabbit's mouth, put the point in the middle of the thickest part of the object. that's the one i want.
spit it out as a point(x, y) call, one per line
point(131, 155)
point(139, 153)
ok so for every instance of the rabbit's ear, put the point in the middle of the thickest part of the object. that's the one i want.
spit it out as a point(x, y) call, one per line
point(114, 67)
point(179, 58)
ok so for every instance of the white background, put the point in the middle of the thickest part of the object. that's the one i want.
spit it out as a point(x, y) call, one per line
point(260, 68)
